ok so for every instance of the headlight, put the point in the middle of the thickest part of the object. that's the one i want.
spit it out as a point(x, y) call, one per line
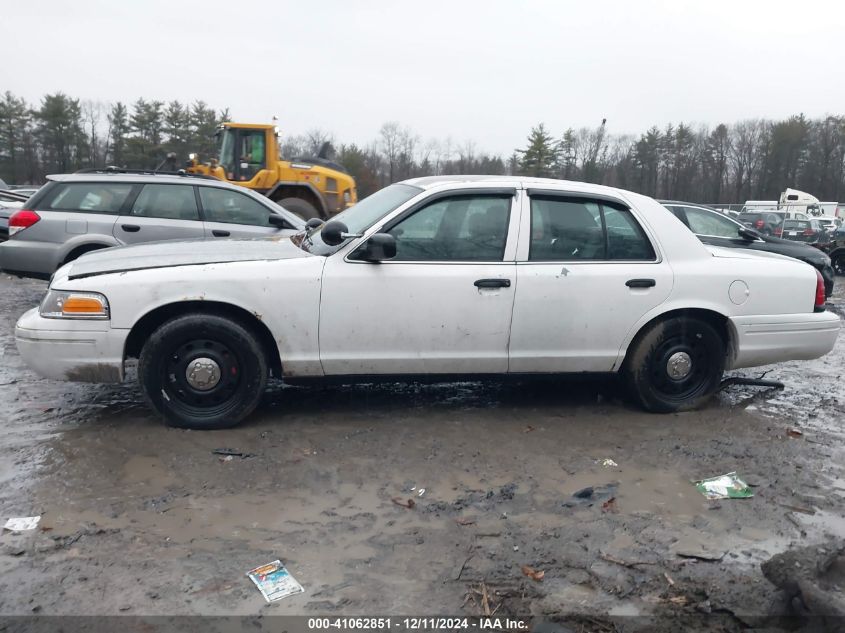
point(61, 304)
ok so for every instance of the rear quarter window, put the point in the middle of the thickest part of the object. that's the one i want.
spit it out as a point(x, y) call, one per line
point(85, 197)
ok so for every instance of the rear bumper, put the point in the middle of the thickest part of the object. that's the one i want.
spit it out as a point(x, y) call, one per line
point(765, 339)
point(82, 351)
point(27, 257)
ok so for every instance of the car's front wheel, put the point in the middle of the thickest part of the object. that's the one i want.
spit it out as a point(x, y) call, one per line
point(675, 365)
point(201, 371)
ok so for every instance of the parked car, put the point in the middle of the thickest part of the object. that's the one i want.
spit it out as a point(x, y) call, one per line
point(24, 190)
point(439, 277)
point(78, 213)
point(830, 225)
point(809, 231)
point(714, 228)
point(9, 203)
point(764, 222)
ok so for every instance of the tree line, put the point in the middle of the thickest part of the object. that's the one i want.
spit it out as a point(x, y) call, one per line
point(751, 159)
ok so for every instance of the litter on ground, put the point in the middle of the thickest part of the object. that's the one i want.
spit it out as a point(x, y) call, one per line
point(274, 581)
point(728, 486)
point(21, 524)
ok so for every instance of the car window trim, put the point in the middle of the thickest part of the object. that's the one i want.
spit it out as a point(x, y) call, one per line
point(600, 200)
point(436, 196)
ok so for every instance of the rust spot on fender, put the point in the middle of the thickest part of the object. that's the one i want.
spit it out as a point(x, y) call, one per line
point(94, 372)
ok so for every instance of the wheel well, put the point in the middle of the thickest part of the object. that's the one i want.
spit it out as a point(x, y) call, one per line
point(81, 250)
point(715, 319)
point(147, 324)
point(303, 193)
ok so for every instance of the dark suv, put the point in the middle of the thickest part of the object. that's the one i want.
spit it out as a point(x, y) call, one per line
point(716, 229)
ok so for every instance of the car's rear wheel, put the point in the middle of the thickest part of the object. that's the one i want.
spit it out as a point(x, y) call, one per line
point(202, 371)
point(838, 263)
point(300, 207)
point(675, 365)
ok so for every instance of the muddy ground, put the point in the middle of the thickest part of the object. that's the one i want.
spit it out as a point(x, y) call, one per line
point(142, 519)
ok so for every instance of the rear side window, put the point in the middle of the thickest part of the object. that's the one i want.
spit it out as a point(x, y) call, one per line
point(571, 229)
point(86, 197)
point(708, 223)
point(169, 202)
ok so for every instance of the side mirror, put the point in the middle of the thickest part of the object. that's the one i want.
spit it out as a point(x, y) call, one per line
point(380, 247)
point(749, 234)
point(278, 221)
point(332, 232)
point(313, 223)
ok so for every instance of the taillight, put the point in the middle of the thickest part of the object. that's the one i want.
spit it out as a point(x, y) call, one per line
point(819, 305)
point(809, 232)
point(21, 220)
point(778, 231)
point(759, 224)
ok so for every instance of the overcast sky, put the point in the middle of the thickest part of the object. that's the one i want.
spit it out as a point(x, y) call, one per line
point(485, 71)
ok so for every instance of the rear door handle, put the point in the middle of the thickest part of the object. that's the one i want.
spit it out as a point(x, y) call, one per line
point(219, 233)
point(493, 283)
point(130, 228)
point(640, 283)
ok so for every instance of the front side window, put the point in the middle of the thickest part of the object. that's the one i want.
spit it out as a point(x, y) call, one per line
point(463, 228)
point(572, 229)
point(704, 222)
point(88, 197)
point(222, 205)
point(169, 202)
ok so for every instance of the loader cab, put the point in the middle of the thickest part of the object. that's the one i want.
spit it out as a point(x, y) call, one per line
point(243, 152)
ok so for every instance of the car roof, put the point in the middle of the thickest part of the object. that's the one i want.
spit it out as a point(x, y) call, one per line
point(146, 178)
point(691, 204)
point(518, 182)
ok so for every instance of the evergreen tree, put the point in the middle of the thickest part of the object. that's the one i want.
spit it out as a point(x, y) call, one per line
point(540, 157)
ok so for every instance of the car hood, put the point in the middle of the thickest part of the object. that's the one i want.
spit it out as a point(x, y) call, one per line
point(182, 253)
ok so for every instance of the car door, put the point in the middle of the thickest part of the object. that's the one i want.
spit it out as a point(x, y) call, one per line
point(442, 305)
point(160, 212)
point(228, 213)
point(587, 271)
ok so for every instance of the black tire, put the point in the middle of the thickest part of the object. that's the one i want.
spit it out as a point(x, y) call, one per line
point(838, 263)
point(300, 207)
point(646, 370)
point(241, 376)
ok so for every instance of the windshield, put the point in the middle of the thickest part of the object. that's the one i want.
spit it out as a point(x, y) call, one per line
point(360, 217)
point(227, 151)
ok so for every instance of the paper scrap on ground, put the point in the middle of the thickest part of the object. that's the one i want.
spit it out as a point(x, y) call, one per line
point(21, 524)
point(608, 463)
point(728, 486)
point(274, 581)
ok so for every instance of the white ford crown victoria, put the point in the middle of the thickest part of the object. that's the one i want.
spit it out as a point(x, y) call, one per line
point(447, 276)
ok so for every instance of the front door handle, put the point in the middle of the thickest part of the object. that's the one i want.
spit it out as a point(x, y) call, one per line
point(130, 228)
point(493, 283)
point(219, 233)
point(641, 283)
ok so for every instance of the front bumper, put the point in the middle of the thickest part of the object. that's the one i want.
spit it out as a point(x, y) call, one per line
point(77, 350)
point(765, 339)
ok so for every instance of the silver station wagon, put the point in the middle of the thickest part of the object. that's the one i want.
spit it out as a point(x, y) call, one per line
point(77, 213)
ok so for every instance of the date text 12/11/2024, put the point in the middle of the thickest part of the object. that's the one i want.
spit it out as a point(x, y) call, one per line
point(418, 623)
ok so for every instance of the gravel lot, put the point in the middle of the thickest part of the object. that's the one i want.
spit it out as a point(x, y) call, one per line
point(146, 520)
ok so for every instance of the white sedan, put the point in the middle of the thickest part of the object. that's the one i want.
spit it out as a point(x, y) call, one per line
point(446, 277)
